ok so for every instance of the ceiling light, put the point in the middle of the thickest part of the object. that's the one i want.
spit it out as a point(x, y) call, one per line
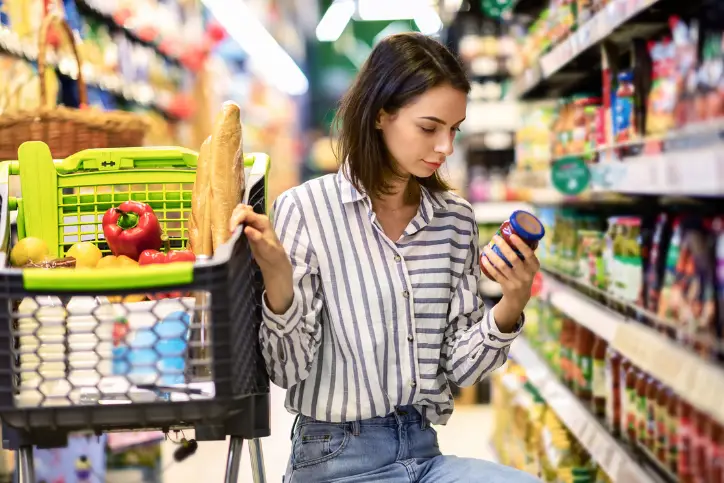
point(268, 59)
point(335, 20)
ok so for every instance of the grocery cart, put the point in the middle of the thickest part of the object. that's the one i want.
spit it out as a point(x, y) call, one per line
point(167, 347)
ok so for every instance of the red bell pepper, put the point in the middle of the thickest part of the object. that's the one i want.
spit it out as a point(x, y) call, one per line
point(152, 257)
point(131, 228)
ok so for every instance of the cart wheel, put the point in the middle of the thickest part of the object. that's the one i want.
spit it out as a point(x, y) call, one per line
point(24, 464)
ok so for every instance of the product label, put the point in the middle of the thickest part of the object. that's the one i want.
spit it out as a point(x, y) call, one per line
point(612, 398)
point(631, 410)
point(651, 434)
point(674, 435)
point(684, 446)
point(599, 378)
point(662, 428)
point(585, 374)
point(642, 418)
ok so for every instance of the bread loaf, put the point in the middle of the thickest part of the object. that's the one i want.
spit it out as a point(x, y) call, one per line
point(227, 171)
point(200, 220)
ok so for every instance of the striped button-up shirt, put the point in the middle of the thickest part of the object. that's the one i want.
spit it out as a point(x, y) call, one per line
point(378, 323)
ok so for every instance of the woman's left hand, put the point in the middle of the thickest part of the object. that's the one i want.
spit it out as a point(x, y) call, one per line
point(516, 281)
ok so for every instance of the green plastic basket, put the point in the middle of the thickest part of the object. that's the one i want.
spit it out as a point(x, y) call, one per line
point(63, 202)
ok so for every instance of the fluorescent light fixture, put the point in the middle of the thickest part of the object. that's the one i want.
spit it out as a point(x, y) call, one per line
point(424, 15)
point(335, 20)
point(268, 59)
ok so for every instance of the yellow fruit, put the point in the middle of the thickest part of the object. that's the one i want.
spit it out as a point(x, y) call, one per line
point(28, 250)
point(111, 261)
point(86, 255)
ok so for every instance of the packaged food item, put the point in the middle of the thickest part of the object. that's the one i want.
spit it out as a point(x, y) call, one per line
point(614, 373)
point(663, 95)
point(667, 308)
point(583, 363)
point(699, 448)
point(521, 223)
point(661, 445)
point(641, 416)
point(685, 40)
point(685, 430)
point(709, 99)
point(627, 258)
point(656, 269)
point(567, 340)
point(629, 401)
point(673, 432)
point(624, 123)
point(652, 394)
point(591, 265)
point(598, 377)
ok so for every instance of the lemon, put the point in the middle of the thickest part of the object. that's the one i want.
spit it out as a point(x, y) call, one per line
point(86, 255)
point(28, 250)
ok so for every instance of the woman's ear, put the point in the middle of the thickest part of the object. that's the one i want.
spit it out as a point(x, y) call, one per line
point(381, 120)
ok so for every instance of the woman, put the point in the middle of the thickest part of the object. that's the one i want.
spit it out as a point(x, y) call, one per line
point(371, 305)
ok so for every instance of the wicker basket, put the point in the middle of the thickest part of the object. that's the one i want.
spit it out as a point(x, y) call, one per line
point(67, 130)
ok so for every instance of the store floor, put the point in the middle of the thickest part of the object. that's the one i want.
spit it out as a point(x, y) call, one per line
point(467, 434)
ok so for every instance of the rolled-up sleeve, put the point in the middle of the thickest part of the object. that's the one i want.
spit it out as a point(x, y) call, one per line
point(473, 346)
point(290, 340)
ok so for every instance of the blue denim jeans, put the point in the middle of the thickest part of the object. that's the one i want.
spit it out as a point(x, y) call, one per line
point(399, 448)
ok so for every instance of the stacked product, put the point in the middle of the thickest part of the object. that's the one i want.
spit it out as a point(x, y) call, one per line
point(529, 436)
point(641, 411)
point(664, 266)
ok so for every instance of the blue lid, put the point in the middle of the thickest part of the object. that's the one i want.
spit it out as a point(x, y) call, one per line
point(527, 225)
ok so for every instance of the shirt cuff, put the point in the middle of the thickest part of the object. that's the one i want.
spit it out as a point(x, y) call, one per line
point(280, 324)
point(492, 335)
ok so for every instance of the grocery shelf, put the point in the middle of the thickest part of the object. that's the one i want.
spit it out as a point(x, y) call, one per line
point(598, 319)
point(86, 7)
point(138, 92)
point(691, 164)
point(548, 77)
point(691, 377)
point(496, 212)
point(615, 459)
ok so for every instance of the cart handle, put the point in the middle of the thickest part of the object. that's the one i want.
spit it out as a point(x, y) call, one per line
point(146, 277)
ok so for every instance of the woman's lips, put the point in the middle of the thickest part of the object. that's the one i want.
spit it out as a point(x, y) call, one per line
point(432, 165)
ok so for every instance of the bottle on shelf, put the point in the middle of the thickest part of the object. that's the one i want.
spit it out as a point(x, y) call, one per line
point(672, 452)
point(641, 431)
point(629, 400)
point(662, 424)
point(598, 377)
point(684, 443)
point(613, 391)
point(583, 363)
point(652, 393)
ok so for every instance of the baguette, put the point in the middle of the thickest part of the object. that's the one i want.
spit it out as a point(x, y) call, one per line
point(200, 220)
point(227, 171)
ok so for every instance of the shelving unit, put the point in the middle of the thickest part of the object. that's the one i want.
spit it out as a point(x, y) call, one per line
point(569, 63)
point(618, 462)
point(692, 378)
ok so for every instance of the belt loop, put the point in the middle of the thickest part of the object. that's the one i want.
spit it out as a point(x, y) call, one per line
point(355, 427)
point(294, 425)
point(423, 419)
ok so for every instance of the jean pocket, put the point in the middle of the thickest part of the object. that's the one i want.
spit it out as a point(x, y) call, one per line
point(317, 443)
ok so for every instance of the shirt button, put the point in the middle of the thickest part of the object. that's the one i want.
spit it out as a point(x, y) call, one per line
point(398, 258)
point(280, 327)
point(406, 294)
point(492, 337)
point(410, 338)
point(413, 383)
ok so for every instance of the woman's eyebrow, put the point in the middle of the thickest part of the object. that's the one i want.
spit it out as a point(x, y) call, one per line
point(438, 120)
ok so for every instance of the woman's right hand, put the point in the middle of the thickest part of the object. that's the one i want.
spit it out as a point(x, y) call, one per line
point(269, 254)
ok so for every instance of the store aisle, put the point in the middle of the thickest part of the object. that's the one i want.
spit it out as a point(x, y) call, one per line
point(467, 434)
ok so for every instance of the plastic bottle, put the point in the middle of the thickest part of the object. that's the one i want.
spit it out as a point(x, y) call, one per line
point(684, 442)
point(628, 401)
point(662, 423)
point(673, 432)
point(613, 391)
point(566, 356)
point(642, 384)
point(652, 393)
point(583, 350)
point(598, 377)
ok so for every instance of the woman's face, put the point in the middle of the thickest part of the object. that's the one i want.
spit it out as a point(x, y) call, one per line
point(419, 136)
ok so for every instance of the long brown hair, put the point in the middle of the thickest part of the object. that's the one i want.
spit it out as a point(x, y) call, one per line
point(399, 69)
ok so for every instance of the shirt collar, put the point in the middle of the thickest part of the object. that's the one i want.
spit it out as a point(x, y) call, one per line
point(430, 201)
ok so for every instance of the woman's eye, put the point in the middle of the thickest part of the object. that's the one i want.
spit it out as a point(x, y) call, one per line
point(429, 131)
point(456, 129)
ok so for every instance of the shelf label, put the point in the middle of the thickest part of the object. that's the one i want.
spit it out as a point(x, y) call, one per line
point(570, 176)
